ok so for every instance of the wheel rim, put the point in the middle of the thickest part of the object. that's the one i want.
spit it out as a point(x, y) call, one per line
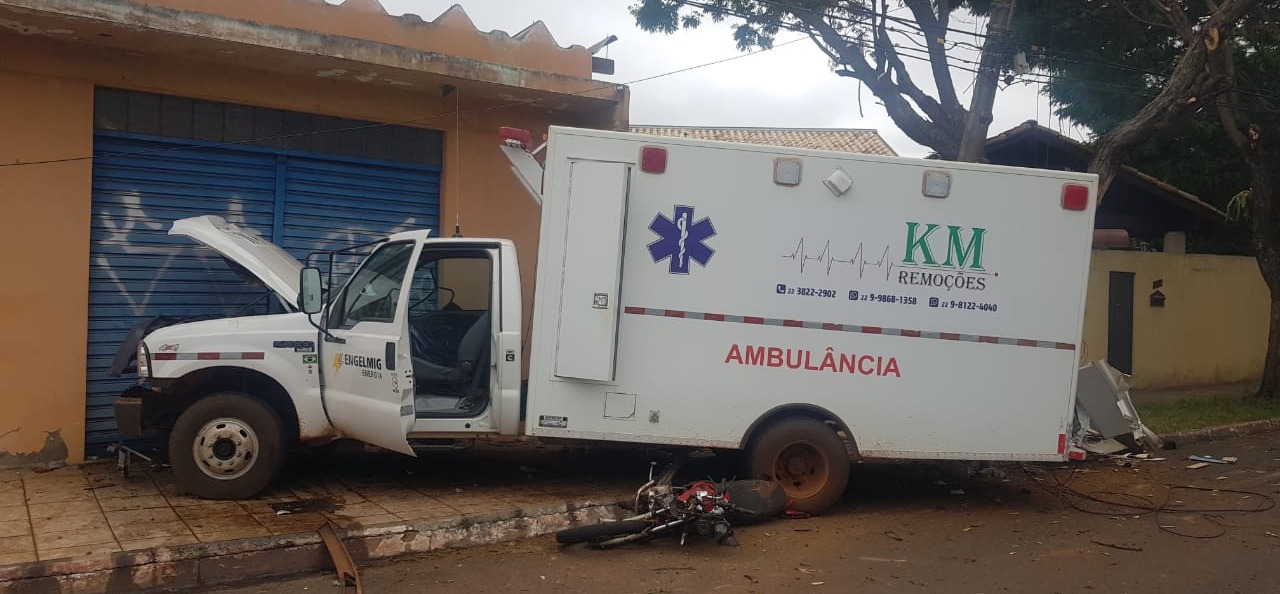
point(225, 449)
point(802, 469)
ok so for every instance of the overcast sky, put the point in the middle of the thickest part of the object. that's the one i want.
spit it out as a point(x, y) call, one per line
point(790, 86)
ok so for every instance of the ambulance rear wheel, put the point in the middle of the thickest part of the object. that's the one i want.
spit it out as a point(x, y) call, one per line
point(806, 458)
point(226, 445)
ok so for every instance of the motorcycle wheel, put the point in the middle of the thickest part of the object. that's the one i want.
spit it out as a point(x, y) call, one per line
point(599, 532)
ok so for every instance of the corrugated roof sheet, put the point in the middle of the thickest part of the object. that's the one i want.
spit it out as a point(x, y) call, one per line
point(847, 140)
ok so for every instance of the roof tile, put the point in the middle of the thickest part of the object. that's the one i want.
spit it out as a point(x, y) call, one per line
point(827, 139)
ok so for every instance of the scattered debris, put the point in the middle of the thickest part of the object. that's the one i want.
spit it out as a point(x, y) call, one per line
point(806, 570)
point(1197, 465)
point(1272, 534)
point(816, 583)
point(347, 574)
point(753, 580)
point(1117, 546)
point(994, 473)
point(284, 508)
point(882, 560)
point(1213, 460)
point(957, 491)
point(1106, 421)
point(893, 536)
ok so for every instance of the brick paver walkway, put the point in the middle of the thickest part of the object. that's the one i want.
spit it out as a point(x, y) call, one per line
point(91, 509)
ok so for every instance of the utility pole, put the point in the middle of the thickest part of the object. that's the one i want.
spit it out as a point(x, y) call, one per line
point(973, 142)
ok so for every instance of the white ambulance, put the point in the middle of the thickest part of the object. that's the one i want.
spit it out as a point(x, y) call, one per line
point(796, 305)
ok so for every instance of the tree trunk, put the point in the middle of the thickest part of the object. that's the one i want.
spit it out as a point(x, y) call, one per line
point(1264, 220)
point(973, 142)
point(1269, 389)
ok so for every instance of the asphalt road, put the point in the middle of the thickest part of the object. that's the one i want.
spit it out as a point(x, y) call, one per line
point(929, 528)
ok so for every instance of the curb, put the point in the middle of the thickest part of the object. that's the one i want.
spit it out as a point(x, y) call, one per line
point(225, 563)
point(1224, 431)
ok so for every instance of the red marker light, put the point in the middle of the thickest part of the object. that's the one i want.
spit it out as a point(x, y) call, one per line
point(653, 159)
point(516, 134)
point(1075, 197)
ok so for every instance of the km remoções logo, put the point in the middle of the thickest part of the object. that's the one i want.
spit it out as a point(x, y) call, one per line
point(961, 268)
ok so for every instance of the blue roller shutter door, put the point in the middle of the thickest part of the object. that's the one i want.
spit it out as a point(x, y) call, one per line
point(303, 202)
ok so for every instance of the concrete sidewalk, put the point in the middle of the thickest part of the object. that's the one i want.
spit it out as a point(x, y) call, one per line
point(90, 515)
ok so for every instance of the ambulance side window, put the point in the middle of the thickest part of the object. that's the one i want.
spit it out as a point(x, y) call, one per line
point(374, 290)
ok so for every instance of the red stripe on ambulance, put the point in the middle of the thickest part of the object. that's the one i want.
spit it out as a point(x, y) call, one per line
point(832, 326)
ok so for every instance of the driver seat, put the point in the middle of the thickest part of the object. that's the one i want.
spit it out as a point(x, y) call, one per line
point(473, 356)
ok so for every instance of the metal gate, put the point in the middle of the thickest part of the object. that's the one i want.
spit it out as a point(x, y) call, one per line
point(303, 201)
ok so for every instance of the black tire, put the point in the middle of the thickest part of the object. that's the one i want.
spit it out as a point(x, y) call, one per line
point(819, 477)
point(603, 530)
point(255, 466)
point(756, 500)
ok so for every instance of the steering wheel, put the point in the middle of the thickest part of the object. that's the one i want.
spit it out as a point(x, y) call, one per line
point(432, 293)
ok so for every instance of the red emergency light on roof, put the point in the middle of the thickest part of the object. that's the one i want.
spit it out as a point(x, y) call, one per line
point(1075, 197)
point(516, 134)
point(653, 159)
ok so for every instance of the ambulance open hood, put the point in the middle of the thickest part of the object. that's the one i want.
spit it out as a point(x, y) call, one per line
point(265, 260)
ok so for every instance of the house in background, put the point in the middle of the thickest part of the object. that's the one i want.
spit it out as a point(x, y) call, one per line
point(1146, 208)
point(1171, 319)
point(317, 125)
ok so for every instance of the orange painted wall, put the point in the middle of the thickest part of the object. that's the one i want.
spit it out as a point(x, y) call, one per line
point(454, 33)
point(43, 353)
point(44, 234)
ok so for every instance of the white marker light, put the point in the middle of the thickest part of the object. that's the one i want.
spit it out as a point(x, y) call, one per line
point(937, 184)
point(838, 182)
point(786, 171)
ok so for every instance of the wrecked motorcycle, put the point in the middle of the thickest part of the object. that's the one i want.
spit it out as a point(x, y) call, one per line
point(701, 508)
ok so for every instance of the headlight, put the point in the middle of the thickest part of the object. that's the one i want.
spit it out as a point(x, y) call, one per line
point(144, 361)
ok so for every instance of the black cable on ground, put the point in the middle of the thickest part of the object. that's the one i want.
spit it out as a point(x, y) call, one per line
point(1138, 505)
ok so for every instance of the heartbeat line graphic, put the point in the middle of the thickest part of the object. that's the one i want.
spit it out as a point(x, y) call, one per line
point(858, 260)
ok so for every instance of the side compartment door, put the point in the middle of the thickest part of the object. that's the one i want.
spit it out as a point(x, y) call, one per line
point(586, 339)
point(368, 383)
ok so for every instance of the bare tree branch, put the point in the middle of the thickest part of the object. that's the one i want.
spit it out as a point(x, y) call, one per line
point(935, 34)
point(1176, 17)
point(940, 136)
point(1187, 88)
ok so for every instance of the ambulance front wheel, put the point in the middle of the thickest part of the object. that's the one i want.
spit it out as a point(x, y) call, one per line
point(806, 458)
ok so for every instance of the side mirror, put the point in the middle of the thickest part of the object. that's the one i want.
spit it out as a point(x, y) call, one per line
point(310, 290)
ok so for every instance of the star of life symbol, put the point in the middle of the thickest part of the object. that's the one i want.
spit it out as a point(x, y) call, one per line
point(681, 239)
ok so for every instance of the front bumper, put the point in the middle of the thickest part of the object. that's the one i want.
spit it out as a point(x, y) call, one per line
point(129, 411)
